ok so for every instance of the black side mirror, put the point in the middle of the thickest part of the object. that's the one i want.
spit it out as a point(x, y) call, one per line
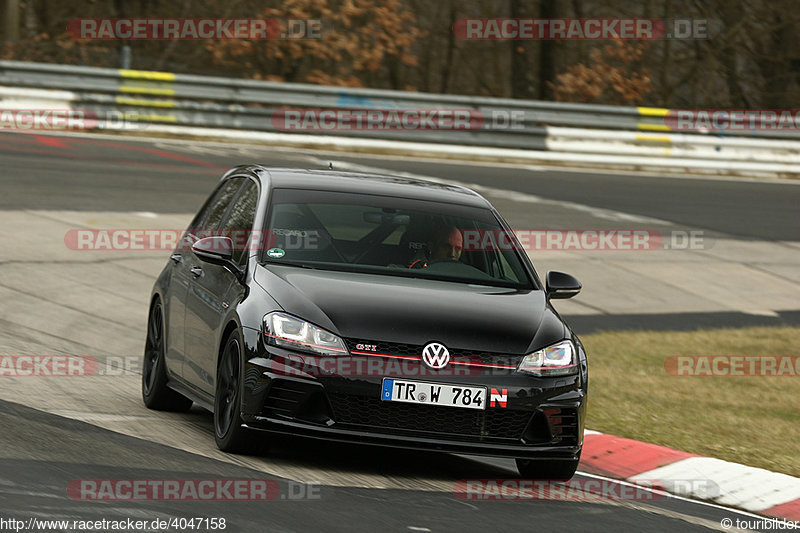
point(561, 286)
point(217, 250)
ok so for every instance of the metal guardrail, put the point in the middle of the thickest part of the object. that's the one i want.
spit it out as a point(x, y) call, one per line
point(206, 101)
point(596, 134)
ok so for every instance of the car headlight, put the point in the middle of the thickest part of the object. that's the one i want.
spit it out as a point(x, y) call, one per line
point(560, 359)
point(292, 333)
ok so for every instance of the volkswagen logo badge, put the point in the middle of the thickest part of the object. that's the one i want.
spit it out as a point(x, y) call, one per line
point(435, 355)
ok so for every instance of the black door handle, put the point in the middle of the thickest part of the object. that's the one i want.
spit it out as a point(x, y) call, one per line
point(196, 271)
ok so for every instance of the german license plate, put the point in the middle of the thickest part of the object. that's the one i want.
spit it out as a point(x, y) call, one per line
point(424, 392)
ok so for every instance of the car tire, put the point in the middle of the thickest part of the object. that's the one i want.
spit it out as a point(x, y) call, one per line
point(155, 392)
point(547, 470)
point(228, 431)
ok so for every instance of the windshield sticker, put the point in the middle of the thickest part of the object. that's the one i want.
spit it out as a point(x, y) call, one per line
point(275, 252)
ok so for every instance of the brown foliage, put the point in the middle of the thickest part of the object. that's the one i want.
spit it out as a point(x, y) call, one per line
point(613, 75)
point(749, 58)
point(359, 39)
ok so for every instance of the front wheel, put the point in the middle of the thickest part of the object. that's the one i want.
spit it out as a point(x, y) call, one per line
point(155, 392)
point(228, 431)
point(548, 470)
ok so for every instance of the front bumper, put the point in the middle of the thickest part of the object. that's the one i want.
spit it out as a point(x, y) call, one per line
point(543, 417)
point(413, 443)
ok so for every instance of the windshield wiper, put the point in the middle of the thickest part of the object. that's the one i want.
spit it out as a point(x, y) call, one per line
point(288, 263)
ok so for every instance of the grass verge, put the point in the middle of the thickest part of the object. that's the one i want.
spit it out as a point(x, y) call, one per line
point(749, 420)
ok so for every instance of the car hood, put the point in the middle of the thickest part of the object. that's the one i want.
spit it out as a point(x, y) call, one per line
point(369, 307)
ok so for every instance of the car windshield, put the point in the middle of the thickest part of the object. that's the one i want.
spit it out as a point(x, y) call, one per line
point(390, 236)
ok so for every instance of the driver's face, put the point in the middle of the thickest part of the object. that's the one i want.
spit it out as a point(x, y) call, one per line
point(447, 248)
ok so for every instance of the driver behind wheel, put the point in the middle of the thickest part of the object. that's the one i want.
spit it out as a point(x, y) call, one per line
point(446, 244)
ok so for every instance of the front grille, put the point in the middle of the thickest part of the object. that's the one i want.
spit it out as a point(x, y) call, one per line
point(397, 348)
point(444, 422)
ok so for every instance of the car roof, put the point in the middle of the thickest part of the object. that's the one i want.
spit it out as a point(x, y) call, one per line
point(365, 183)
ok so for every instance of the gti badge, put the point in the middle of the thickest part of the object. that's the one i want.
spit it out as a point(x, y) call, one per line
point(435, 355)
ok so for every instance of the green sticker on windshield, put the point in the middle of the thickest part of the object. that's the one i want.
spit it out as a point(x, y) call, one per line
point(275, 252)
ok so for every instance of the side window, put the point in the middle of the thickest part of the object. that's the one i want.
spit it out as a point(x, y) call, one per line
point(212, 215)
point(239, 222)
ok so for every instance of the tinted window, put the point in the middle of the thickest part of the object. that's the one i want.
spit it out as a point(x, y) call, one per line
point(239, 222)
point(392, 236)
point(212, 215)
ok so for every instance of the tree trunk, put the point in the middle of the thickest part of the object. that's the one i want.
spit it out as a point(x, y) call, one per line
point(522, 78)
point(547, 52)
point(451, 47)
point(11, 21)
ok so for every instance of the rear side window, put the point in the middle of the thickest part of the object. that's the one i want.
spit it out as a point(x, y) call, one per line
point(211, 216)
point(240, 220)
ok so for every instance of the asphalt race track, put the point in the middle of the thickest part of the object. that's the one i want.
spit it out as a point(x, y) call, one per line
point(59, 301)
point(59, 450)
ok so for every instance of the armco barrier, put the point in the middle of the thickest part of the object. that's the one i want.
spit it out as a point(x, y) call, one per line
point(583, 134)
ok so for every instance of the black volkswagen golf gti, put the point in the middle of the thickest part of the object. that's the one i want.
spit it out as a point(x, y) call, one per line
point(370, 309)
